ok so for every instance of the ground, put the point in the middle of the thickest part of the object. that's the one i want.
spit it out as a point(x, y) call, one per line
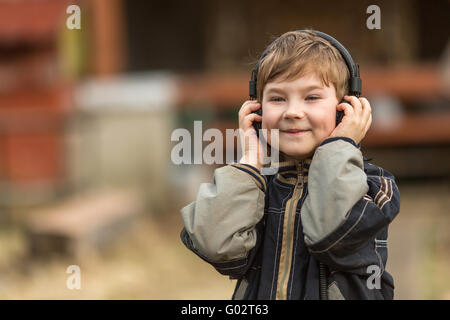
point(150, 262)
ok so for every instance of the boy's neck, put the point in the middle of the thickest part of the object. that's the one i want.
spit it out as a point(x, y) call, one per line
point(288, 159)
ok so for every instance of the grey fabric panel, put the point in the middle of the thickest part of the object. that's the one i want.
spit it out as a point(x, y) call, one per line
point(221, 222)
point(334, 293)
point(240, 292)
point(336, 181)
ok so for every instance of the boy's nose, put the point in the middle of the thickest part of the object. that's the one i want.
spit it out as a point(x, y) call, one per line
point(295, 110)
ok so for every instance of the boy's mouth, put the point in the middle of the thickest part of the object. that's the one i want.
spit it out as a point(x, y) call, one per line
point(294, 131)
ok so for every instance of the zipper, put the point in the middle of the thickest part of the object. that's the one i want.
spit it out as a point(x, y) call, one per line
point(323, 282)
point(288, 228)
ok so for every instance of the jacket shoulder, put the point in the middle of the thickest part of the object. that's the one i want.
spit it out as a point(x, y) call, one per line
point(372, 170)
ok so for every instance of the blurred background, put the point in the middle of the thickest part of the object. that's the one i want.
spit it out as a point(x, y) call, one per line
point(86, 117)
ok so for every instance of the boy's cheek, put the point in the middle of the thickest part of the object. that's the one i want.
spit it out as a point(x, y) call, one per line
point(272, 131)
point(266, 124)
point(270, 120)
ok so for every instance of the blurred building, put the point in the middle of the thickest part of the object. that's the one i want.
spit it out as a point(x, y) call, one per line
point(35, 101)
point(89, 109)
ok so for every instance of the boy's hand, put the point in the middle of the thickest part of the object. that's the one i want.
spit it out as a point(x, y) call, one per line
point(356, 121)
point(250, 143)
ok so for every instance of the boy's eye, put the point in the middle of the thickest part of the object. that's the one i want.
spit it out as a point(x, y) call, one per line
point(276, 99)
point(311, 98)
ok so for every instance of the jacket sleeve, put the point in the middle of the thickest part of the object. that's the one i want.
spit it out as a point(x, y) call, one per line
point(347, 207)
point(222, 225)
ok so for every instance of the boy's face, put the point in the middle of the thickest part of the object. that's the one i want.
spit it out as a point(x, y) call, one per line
point(303, 110)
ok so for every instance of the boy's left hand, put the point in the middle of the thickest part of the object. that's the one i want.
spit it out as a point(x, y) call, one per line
point(356, 121)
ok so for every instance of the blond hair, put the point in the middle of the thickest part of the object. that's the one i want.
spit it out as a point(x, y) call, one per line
point(295, 54)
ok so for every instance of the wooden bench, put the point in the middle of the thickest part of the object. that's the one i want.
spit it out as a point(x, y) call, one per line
point(81, 224)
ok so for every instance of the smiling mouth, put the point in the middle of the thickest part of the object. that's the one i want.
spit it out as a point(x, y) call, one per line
point(295, 131)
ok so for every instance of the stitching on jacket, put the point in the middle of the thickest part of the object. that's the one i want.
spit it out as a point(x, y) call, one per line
point(217, 264)
point(380, 261)
point(278, 183)
point(295, 250)
point(283, 206)
point(374, 176)
point(381, 191)
point(388, 196)
point(275, 181)
point(380, 244)
point(257, 179)
point(288, 196)
point(235, 267)
point(345, 234)
point(276, 210)
point(385, 193)
point(283, 202)
point(276, 254)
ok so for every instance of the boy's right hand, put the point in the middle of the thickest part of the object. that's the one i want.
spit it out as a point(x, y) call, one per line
point(250, 143)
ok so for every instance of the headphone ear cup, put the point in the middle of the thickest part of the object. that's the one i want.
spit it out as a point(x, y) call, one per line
point(339, 116)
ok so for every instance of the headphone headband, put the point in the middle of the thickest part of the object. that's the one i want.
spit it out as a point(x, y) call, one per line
point(355, 84)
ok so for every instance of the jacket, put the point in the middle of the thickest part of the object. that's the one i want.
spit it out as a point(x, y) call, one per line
point(317, 229)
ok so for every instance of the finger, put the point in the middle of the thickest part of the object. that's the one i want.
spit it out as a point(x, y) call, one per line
point(250, 102)
point(368, 124)
point(249, 113)
point(367, 110)
point(249, 108)
point(365, 103)
point(356, 104)
point(249, 119)
point(348, 110)
point(253, 117)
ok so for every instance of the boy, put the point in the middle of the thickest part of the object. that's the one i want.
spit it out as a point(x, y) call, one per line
point(317, 229)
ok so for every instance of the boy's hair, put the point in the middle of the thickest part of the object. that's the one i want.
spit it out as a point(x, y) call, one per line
point(294, 54)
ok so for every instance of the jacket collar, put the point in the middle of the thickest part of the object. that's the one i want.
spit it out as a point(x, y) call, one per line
point(289, 170)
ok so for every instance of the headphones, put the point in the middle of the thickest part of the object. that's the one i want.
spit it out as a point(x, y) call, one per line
point(355, 84)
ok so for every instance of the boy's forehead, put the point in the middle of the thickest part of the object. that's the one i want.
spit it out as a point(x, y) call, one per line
point(306, 81)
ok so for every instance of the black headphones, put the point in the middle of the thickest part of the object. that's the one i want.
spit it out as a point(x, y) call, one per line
point(355, 84)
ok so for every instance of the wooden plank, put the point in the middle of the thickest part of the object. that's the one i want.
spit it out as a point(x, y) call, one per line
point(31, 21)
point(414, 129)
point(406, 82)
point(83, 221)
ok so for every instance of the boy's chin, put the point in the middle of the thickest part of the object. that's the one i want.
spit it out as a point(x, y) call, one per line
point(297, 154)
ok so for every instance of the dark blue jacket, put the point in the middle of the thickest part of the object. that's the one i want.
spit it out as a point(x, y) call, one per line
point(317, 229)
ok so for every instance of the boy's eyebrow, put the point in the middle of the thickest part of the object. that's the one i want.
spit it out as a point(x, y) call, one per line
point(303, 89)
point(312, 87)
